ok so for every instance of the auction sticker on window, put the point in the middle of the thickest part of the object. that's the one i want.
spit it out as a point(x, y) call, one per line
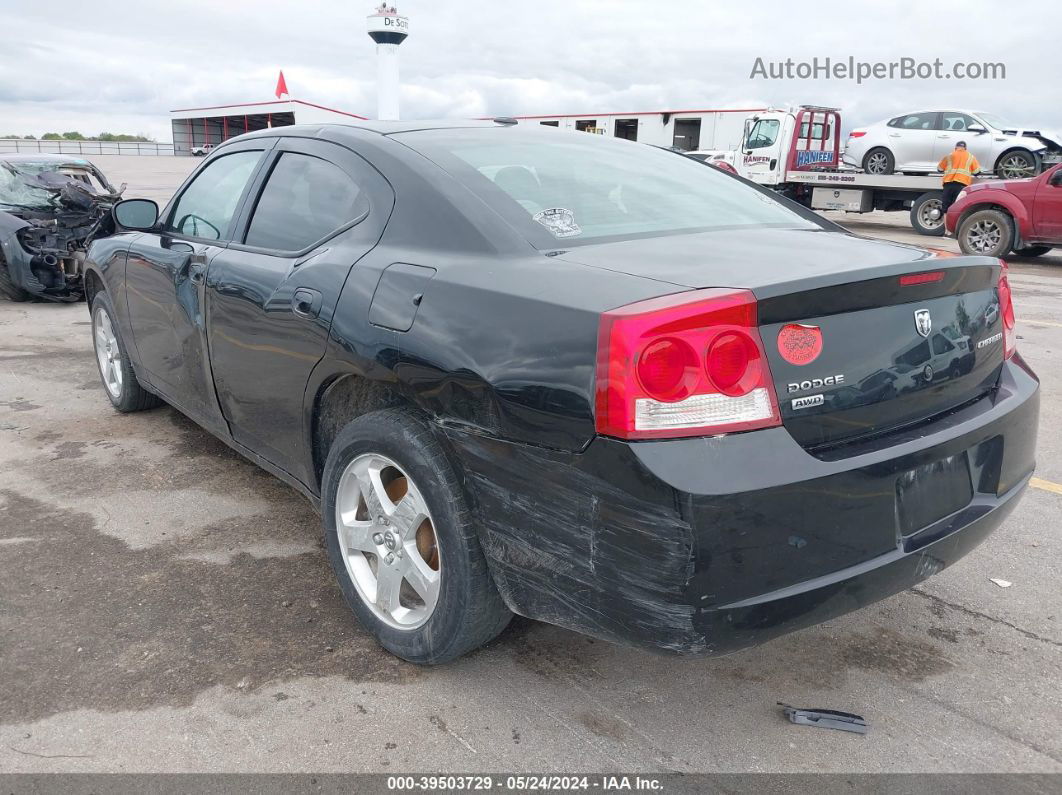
point(560, 221)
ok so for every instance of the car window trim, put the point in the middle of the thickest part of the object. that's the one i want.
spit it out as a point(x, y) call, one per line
point(263, 146)
point(296, 146)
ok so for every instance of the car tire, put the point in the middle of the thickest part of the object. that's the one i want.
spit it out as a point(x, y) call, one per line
point(1032, 251)
point(1017, 164)
point(879, 161)
point(987, 233)
point(441, 600)
point(116, 371)
point(8, 288)
point(922, 214)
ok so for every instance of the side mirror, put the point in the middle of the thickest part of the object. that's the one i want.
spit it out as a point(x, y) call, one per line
point(976, 128)
point(137, 214)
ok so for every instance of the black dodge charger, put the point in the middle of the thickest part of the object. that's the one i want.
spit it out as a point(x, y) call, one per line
point(584, 380)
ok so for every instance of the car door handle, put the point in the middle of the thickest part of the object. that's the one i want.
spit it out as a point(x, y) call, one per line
point(894, 135)
point(306, 302)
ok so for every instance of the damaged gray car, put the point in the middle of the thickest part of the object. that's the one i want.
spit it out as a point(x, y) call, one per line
point(51, 208)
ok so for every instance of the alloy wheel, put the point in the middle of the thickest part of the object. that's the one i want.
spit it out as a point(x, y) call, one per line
point(877, 163)
point(984, 236)
point(388, 541)
point(108, 354)
point(1016, 167)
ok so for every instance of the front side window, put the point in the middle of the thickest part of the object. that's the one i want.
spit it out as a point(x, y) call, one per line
point(958, 122)
point(304, 199)
point(207, 206)
point(763, 133)
point(564, 187)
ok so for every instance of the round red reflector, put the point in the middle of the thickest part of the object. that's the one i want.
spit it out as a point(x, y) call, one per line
point(665, 369)
point(729, 357)
point(800, 344)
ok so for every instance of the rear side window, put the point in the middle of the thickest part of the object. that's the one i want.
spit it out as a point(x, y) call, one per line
point(208, 204)
point(304, 200)
point(918, 121)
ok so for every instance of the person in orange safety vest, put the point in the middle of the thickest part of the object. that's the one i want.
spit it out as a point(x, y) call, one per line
point(959, 168)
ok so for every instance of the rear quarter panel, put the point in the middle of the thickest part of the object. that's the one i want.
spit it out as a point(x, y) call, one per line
point(503, 346)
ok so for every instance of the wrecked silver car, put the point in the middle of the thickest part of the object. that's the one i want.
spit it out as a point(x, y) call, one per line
point(51, 208)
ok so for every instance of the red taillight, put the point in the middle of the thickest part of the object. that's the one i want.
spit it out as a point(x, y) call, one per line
point(667, 369)
point(909, 279)
point(1006, 310)
point(732, 362)
point(857, 133)
point(683, 365)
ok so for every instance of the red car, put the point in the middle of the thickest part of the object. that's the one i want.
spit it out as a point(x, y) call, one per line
point(1020, 215)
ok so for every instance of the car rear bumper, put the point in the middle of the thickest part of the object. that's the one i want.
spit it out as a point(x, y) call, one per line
point(707, 546)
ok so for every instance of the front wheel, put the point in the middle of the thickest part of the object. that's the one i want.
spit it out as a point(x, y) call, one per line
point(927, 214)
point(1032, 251)
point(402, 543)
point(986, 232)
point(116, 371)
point(1018, 164)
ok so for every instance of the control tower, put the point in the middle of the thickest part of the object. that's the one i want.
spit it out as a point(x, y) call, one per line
point(388, 30)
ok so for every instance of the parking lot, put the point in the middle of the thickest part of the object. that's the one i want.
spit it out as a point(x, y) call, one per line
point(165, 605)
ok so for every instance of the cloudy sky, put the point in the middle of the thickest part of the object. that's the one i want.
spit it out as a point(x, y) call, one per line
point(121, 66)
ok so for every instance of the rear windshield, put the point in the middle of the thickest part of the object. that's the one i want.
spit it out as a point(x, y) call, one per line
point(563, 189)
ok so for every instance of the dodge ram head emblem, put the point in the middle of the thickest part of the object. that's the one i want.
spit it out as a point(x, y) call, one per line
point(923, 322)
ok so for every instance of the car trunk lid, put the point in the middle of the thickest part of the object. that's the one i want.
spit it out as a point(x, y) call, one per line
point(895, 350)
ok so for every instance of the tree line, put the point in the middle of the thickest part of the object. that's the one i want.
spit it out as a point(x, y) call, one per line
point(76, 136)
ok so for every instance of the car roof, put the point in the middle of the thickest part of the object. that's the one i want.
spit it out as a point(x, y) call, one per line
point(936, 110)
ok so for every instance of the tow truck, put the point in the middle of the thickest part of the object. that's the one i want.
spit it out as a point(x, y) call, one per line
point(797, 151)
